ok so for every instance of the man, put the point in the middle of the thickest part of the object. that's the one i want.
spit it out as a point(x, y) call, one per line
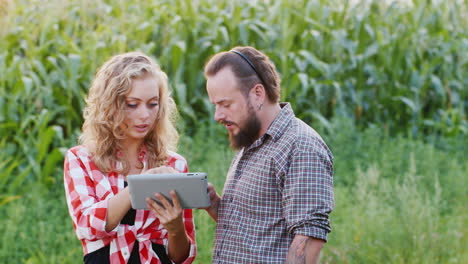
point(279, 188)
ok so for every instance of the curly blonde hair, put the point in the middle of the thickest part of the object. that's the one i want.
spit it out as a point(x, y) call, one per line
point(104, 113)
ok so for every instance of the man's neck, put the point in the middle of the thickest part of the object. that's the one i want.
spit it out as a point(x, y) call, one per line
point(267, 115)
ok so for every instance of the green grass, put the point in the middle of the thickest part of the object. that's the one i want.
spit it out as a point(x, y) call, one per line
point(36, 228)
point(398, 200)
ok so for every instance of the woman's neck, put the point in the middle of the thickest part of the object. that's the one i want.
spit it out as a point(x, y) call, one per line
point(131, 148)
point(131, 153)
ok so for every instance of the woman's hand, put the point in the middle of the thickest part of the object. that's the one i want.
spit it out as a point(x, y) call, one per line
point(161, 169)
point(169, 214)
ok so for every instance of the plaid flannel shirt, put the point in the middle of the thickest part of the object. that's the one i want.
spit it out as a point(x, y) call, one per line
point(87, 192)
point(279, 186)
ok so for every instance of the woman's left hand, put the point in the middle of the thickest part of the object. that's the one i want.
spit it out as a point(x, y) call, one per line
point(169, 214)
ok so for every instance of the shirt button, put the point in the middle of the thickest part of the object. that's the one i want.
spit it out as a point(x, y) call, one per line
point(224, 226)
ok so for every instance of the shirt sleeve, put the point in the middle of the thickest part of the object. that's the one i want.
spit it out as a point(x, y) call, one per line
point(88, 213)
point(308, 190)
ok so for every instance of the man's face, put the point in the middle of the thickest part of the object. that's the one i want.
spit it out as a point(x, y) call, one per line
point(233, 109)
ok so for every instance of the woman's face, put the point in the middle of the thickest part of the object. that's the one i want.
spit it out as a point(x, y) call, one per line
point(141, 109)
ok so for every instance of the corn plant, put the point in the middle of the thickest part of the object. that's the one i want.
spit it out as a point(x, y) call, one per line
point(400, 67)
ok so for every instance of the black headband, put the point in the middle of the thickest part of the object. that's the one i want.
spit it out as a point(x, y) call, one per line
point(250, 63)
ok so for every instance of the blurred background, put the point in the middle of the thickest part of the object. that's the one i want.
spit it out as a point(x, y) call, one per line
point(384, 82)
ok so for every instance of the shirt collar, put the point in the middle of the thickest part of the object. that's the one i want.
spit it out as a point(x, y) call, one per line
point(278, 126)
point(282, 120)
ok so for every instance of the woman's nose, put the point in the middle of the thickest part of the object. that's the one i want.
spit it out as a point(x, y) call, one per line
point(144, 113)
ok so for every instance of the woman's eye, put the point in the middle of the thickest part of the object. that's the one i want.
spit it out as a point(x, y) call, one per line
point(132, 105)
point(153, 104)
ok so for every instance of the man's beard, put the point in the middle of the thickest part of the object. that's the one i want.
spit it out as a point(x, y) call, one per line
point(248, 131)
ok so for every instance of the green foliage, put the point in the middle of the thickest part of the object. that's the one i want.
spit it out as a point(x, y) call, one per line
point(399, 66)
point(392, 70)
point(208, 154)
point(37, 229)
point(382, 221)
point(397, 199)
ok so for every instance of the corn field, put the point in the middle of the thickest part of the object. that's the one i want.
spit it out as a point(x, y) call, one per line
point(396, 66)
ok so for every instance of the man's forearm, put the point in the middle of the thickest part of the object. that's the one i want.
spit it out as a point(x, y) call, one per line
point(304, 250)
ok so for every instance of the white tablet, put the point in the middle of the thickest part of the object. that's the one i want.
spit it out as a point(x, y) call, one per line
point(191, 188)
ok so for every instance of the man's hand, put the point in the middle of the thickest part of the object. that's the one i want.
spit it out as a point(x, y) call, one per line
point(215, 200)
point(304, 250)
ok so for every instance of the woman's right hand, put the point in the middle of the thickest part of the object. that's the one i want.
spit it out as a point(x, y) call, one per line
point(168, 212)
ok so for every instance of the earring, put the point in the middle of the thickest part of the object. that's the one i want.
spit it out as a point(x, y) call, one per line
point(260, 107)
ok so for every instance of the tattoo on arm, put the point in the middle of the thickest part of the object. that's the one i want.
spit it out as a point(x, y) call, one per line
point(304, 250)
point(297, 251)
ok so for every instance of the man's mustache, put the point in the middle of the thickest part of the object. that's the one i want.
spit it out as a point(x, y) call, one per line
point(227, 123)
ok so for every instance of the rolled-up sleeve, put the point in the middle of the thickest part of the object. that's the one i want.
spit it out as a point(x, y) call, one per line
point(87, 213)
point(308, 190)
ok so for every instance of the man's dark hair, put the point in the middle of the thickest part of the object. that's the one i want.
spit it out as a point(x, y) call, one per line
point(261, 71)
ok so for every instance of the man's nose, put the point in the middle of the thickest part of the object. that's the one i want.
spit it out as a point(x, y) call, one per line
point(219, 115)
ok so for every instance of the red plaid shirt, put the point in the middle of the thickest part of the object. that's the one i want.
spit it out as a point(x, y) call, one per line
point(88, 190)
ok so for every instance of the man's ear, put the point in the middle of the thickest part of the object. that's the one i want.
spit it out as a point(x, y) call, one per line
point(258, 93)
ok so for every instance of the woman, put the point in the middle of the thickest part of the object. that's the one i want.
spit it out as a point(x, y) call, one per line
point(128, 128)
